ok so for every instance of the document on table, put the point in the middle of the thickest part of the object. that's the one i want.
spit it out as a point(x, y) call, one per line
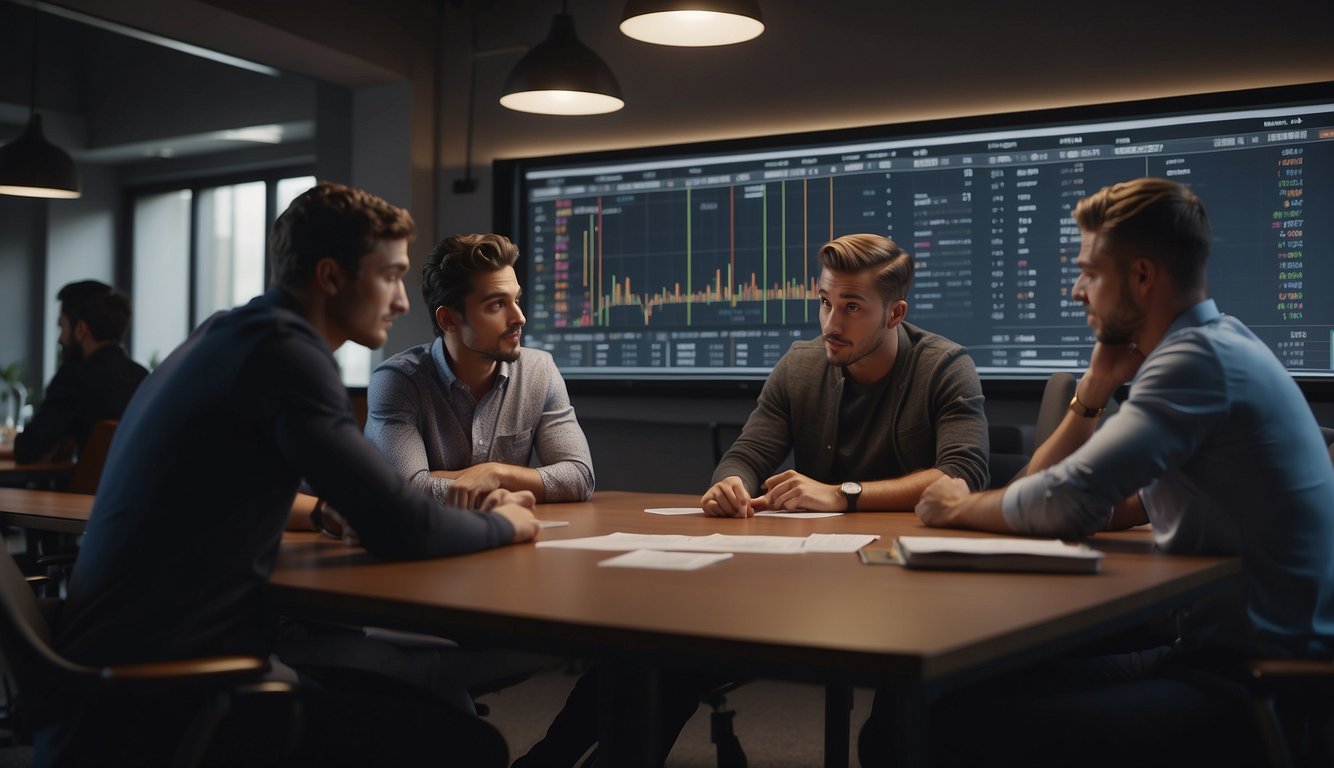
point(698, 511)
point(997, 554)
point(718, 542)
point(665, 561)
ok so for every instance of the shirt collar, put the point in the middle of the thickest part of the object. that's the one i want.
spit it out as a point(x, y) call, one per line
point(447, 374)
point(1204, 313)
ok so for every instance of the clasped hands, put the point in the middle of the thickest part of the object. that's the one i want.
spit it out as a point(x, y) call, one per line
point(789, 491)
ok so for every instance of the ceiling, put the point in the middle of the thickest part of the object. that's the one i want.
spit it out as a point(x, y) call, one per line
point(111, 98)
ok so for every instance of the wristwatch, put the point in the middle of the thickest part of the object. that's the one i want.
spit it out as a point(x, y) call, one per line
point(1079, 409)
point(851, 492)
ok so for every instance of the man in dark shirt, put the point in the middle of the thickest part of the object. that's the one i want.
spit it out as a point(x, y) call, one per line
point(206, 465)
point(96, 378)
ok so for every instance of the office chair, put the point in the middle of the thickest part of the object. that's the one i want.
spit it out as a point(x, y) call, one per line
point(1006, 458)
point(1055, 402)
point(48, 686)
point(92, 458)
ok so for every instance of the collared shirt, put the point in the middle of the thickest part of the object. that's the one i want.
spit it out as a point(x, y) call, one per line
point(1228, 459)
point(201, 477)
point(423, 418)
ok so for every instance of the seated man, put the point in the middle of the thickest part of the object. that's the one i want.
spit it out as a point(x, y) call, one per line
point(1217, 448)
point(459, 417)
point(202, 478)
point(874, 410)
point(95, 380)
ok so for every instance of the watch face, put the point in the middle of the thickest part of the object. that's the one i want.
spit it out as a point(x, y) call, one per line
point(850, 489)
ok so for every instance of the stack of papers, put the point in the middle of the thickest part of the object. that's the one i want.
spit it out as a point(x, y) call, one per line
point(997, 554)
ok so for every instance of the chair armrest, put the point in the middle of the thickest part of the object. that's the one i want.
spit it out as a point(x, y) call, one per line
point(207, 671)
point(1289, 675)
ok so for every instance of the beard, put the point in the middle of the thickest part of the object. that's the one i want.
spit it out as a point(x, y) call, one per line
point(852, 355)
point(70, 353)
point(1122, 322)
point(494, 352)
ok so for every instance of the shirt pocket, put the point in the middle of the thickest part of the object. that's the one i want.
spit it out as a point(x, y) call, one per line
point(513, 449)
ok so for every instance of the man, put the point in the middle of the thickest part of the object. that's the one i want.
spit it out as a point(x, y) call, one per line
point(95, 379)
point(1217, 448)
point(459, 417)
point(202, 477)
point(875, 410)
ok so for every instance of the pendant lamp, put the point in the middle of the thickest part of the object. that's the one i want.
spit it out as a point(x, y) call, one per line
point(31, 166)
point(692, 23)
point(562, 76)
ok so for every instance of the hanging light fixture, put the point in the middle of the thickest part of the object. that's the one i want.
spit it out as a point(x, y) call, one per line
point(31, 166)
point(693, 23)
point(562, 76)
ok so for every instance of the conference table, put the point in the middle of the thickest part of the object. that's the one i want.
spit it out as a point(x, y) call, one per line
point(13, 473)
point(820, 618)
point(54, 511)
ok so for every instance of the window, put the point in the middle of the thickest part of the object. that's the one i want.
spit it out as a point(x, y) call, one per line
point(204, 249)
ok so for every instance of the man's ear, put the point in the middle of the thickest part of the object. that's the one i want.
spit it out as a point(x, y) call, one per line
point(81, 332)
point(329, 277)
point(444, 317)
point(1143, 274)
point(897, 311)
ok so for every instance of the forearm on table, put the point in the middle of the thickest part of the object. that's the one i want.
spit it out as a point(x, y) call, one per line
point(899, 494)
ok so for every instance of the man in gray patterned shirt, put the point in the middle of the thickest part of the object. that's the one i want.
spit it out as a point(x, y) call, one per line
point(461, 416)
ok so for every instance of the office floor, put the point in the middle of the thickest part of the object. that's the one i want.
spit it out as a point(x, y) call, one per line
point(779, 725)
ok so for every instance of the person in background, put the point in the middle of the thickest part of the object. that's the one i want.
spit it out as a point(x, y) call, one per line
point(201, 482)
point(461, 416)
point(874, 410)
point(1217, 448)
point(95, 379)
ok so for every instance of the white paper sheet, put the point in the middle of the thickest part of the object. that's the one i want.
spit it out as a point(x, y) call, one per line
point(675, 511)
point(666, 561)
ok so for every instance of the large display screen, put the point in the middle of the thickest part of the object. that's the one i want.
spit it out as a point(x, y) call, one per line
point(700, 261)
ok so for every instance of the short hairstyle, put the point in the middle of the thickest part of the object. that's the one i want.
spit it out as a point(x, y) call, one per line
point(447, 273)
point(336, 221)
point(1155, 218)
point(855, 253)
point(104, 309)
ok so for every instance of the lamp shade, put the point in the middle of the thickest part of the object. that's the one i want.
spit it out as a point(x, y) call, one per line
point(693, 23)
point(31, 166)
point(562, 76)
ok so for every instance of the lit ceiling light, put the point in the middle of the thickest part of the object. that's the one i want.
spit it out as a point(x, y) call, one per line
point(693, 23)
point(562, 76)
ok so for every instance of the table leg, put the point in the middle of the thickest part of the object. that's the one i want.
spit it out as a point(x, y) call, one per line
point(837, 722)
point(628, 715)
point(910, 730)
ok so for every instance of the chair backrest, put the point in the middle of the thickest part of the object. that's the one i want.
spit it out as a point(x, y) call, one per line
point(44, 679)
point(1055, 401)
point(92, 458)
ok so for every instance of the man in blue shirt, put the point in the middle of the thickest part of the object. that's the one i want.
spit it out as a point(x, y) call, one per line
point(200, 484)
point(1217, 448)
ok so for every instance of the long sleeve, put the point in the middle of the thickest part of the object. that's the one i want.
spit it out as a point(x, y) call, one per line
point(961, 422)
point(393, 410)
point(562, 449)
point(54, 421)
point(314, 430)
point(766, 437)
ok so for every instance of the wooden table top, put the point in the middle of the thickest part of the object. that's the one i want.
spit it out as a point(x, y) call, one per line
point(45, 510)
point(813, 616)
